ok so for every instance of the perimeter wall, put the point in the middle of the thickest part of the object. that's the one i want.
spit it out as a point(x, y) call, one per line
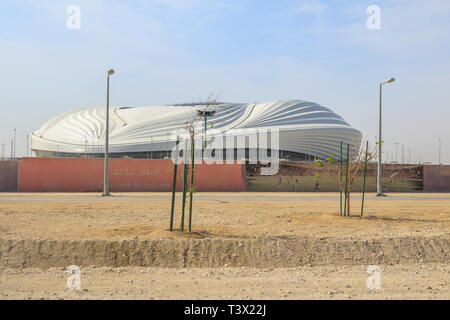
point(8, 175)
point(436, 178)
point(86, 174)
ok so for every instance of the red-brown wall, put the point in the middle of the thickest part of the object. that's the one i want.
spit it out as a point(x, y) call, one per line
point(82, 175)
point(436, 178)
point(8, 176)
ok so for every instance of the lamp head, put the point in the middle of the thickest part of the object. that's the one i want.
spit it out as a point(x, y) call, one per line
point(389, 80)
point(110, 72)
point(202, 113)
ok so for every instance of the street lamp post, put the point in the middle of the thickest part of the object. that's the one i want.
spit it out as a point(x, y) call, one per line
point(93, 144)
point(14, 153)
point(106, 174)
point(380, 141)
point(396, 152)
point(439, 162)
point(403, 154)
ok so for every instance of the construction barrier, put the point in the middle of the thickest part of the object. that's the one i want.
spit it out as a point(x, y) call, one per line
point(136, 175)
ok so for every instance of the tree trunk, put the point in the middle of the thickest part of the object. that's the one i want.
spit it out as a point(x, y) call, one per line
point(191, 189)
point(348, 205)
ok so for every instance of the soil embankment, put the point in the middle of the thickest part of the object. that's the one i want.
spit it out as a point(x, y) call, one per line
point(213, 253)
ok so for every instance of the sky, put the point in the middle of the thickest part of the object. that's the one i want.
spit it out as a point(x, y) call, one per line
point(174, 51)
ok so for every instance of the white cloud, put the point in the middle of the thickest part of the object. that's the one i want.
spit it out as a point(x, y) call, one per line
point(177, 4)
point(314, 7)
point(413, 30)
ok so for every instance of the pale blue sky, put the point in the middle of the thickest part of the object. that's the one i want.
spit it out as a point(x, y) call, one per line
point(172, 51)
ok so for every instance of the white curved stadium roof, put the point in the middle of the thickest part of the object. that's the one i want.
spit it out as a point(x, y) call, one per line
point(304, 127)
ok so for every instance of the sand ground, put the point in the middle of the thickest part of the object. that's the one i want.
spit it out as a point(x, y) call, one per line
point(412, 281)
point(128, 219)
point(84, 217)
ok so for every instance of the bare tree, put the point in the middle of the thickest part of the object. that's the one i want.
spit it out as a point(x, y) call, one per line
point(348, 170)
point(191, 126)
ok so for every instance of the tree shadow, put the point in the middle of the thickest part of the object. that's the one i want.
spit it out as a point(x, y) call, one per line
point(401, 219)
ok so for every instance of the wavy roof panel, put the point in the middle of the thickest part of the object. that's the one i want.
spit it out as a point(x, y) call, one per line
point(304, 127)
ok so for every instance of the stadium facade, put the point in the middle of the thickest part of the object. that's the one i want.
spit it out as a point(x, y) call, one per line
point(306, 129)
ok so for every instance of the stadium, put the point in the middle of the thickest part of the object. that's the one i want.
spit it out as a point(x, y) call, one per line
point(307, 130)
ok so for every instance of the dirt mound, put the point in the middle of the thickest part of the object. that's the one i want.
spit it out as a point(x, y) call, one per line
point(276, 252)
